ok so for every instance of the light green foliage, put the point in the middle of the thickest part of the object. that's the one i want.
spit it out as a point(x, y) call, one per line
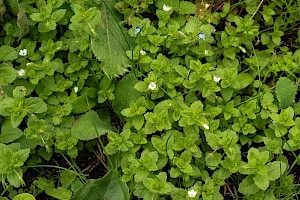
point(261, 171)
point(19, 106)
point(209, 102)
point(12, 159)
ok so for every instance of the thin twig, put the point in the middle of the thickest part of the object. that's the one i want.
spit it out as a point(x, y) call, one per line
point(257, 9)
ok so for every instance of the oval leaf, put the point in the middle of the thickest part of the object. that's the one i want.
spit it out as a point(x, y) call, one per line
point(89, 126)
point(107, 187)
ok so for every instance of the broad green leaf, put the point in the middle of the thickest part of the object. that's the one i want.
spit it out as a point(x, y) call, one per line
point(247, 186)
point(58, 15)
point(125, 93)
point(108, 187)
point(213, 160)
point(89, 126)
point(275, 169)
point(60, 193)
point(24, 196)
point(262, 181)
point(110, 44)
point(9, 134)
point(35, 105)
point(83, 104)
point(187, 7)
point(15, 178)
point(286, 91)
point(66, 178)
point(8, 53)
point(7, 75)
point(241, 81)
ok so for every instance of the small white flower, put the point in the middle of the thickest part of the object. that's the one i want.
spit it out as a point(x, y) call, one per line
point(142, 52)
point(23, 52)
point(75, 89)
point(207, 6)
point(180, 32)
point(206, 52)
point(243, 49)
point(206, 126)
point(27, 64)
point(152, 86)
point(217, 79)
point(21, 72)
point(166, 8)
point(192, 193)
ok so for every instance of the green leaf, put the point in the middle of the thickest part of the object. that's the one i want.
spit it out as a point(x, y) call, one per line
point(60, 193)
point(138, 121)
point(125, 93)
point(241, 81)
point(24, 196)
point(7, 53)
point(7, 74)
point(17, 119)
point(13, 6)
point(9, 134)
point(230, 53)
point(108, 187)
point(35, 105)
point(213, 160)
point(89, 126)
point(247, 186)
point(265, 39)
point(66, 178)
point(297, 108)
point(275, 169)
point(286, 91)
point(187, 8)
point(110, 44)
point(262, 181)
point(83, 104)
point(158, 184)
point(58, 15)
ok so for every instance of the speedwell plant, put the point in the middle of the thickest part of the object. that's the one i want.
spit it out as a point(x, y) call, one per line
point(187, 99)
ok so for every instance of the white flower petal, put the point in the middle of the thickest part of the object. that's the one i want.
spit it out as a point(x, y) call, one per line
point(152, 86)
point(192, 193)
point(23, 52)
point(21, 72)
point(206, 52)
point(205, 126)
point(75, 89)
point(142, 52)
point(166, 8)
point(217, 79)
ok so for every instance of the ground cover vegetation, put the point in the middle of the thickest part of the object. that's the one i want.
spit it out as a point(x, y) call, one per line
point(149, 99)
